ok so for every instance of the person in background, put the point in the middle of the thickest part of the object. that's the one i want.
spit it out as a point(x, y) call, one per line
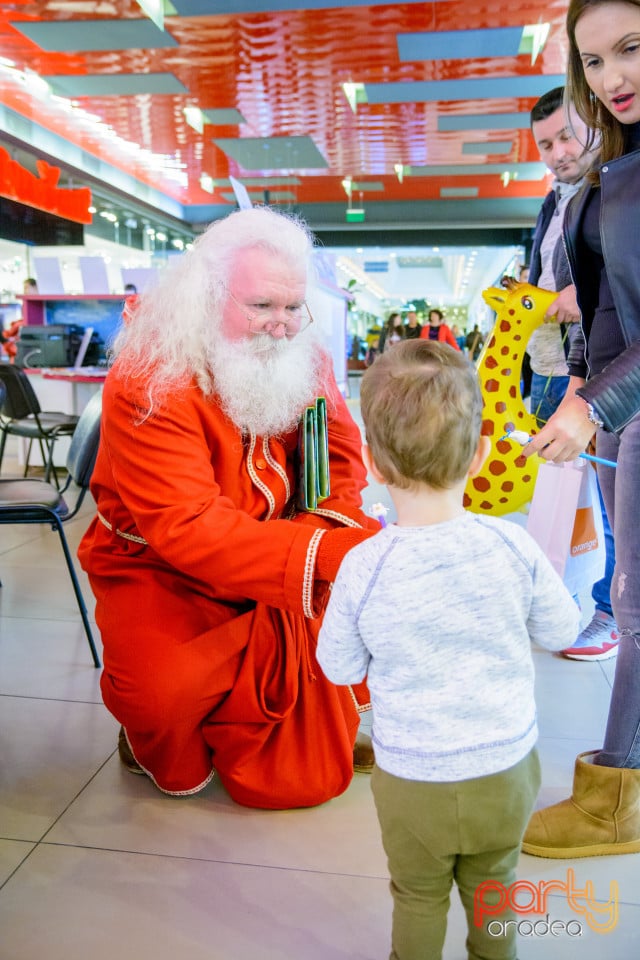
point(392, 332)
point(412, 329)
point(9, 338)
point(372, 352)
point(474, 343)
point(355, 351)
point(561, 138)
point(437, 329)
point(131, 298)
point(460, 337)
point(603, 82)
point(210, 571)
point(457, 771)
point(10, 335)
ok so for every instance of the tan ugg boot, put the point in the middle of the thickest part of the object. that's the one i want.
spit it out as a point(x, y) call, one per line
point(601, 817)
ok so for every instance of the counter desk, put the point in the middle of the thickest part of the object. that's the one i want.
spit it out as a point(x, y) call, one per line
point(66, 390)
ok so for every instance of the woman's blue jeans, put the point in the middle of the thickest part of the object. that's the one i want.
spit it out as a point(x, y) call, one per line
point(621, 492)
point(601, 590)
point(546, 396)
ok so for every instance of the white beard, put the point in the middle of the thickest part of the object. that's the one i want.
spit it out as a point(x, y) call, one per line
point(265, 384)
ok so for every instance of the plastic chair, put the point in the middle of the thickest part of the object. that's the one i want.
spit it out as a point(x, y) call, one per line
point(36, 501)
point(21, 416)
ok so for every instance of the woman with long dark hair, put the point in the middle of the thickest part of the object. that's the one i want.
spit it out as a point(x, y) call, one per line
point(603, 83)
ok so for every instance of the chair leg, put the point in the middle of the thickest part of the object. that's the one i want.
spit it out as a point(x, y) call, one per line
point(28, 457)
point(50, 468)
point(78, 592)
point(3, 440)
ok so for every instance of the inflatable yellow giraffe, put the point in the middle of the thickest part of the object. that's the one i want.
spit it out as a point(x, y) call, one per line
point(507, 478)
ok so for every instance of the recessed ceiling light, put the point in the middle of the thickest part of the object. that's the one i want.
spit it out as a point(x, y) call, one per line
point(195, 118)
point(154, 9)
point(355, 94)
point(534, 37)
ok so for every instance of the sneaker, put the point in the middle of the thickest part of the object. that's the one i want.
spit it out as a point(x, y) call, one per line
point(598, 640)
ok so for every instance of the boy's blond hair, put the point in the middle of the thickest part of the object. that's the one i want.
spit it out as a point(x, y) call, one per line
point(422, 410)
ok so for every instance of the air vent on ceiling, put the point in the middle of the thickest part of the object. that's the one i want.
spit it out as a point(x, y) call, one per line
point(376, 266)
point(428, 263)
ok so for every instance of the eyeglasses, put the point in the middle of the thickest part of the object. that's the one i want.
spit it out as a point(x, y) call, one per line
point(264, 318)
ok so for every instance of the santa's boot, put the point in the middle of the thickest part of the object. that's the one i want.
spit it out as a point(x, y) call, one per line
point(601, 817)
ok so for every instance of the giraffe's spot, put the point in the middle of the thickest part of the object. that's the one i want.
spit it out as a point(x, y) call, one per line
point(527, 478)
point(486, 505)
point(506, 372)
point(503, 500)
point(507, 486)
point(488, 428)
point(466, 501)
point(505, 326)
point(492, 386)
point(503, 446)
point(481, 484)
point(497, 467)
point(492, 343)
point(490, 362)
point(501, 406)
point(513, 392)
point(520, 462)
point(517, 336)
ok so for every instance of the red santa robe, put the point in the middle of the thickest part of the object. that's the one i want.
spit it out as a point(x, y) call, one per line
point(206, 598)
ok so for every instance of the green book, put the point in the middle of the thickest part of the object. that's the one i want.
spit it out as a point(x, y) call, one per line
point(322, 436)
point(313, 456)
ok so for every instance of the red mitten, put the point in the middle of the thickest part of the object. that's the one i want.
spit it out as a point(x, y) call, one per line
point(333, 546)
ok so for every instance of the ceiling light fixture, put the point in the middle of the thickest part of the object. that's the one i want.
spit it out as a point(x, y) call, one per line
point(194, 117)
point(534, 37)
point(355, 94)
point(154, 9)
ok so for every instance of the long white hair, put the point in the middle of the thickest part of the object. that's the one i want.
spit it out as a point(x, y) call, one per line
point(172, 332)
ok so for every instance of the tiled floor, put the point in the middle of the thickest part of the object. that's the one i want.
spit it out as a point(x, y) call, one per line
point(95, 862)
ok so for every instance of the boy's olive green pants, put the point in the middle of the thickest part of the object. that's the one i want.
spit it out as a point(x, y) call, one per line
point(468, 831)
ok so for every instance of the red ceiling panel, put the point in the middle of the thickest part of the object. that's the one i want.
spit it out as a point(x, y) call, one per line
point(284, 71)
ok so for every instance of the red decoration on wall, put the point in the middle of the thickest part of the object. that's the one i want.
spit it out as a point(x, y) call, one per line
point(42, 191)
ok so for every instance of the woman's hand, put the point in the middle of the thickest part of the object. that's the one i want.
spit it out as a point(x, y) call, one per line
point(567, 433)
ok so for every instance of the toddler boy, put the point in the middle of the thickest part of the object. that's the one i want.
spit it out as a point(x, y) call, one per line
point(439, 610)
